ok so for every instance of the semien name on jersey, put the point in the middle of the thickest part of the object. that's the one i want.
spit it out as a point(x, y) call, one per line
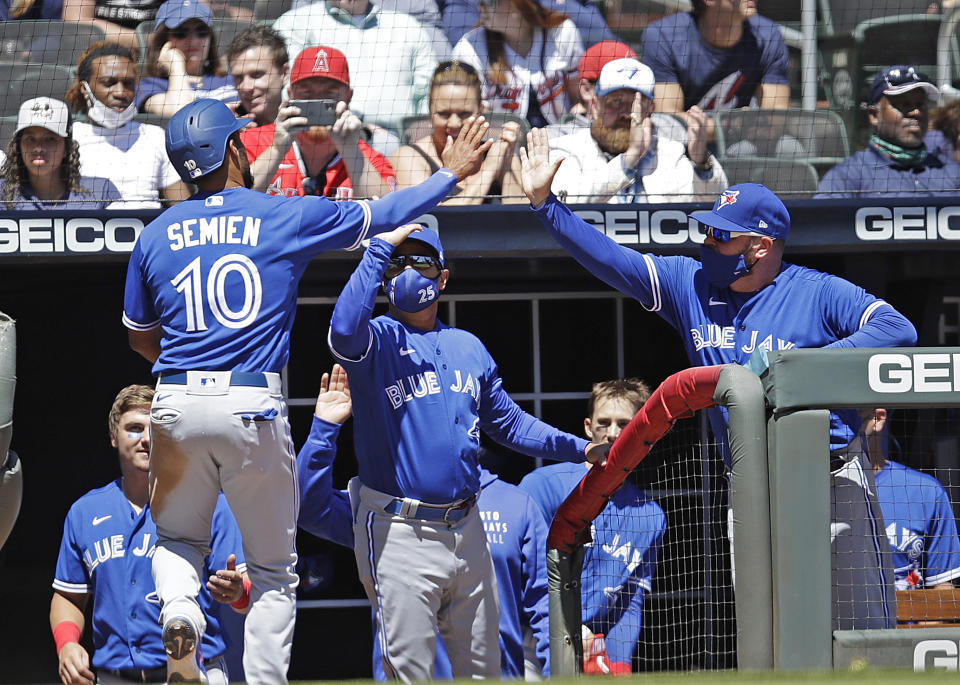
point(214, 230)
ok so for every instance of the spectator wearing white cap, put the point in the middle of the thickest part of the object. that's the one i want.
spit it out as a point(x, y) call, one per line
point(620, 158)
point(42, 169)
point(182, 61)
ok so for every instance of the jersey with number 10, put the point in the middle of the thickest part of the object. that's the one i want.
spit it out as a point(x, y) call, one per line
point(219, 274)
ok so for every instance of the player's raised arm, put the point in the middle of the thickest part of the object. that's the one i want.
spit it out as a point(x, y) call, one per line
point(349, 337)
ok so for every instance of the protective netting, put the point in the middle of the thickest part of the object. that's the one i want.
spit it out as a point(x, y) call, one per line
point(786, 102)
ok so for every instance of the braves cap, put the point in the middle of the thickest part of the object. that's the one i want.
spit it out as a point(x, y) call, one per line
point(900, 79)
point(172, 13)
point(429, 237)
point(748, 208)
point(321, 62)
point(48, 113)
point(625, 73)
point(599, 54)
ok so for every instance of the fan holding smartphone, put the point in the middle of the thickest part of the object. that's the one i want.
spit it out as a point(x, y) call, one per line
point(327, 157)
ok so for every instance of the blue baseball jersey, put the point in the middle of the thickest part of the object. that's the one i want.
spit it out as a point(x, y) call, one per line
point(620, 561)
point(219, 272)
point(422, 397)
point(107, 551)
point(920, 527)
point(516, 536)
point(801, 308)
point(715, 78)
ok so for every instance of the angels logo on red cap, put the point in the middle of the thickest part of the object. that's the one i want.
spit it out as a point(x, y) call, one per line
point(727, 197)
point(321, 63)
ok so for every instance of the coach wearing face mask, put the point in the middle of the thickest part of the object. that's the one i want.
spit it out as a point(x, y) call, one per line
point(112, 145)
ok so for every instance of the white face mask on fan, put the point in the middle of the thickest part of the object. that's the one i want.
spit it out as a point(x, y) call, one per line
point(105, 116)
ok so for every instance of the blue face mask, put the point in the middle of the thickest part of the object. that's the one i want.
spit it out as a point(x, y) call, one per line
point(722, 270)
point(410, 291)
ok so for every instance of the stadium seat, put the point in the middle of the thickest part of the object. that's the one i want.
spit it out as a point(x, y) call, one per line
point(25, 81)
point(817, 137)
point(416, 127)
point(7, 126)
point(785, 177)
point(151, 118)
point(48, 42)
point(267, 11)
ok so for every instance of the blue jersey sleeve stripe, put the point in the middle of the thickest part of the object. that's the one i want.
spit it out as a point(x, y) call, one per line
point(646, 584)
point(348, 359)
point(942, 577)
point(133, 325)
point(869, 312)
point(72, 588)
point(654, 285)
point(365, 206)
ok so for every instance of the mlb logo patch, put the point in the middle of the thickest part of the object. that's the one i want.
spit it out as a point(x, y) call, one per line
point(727, 197)
point(213, 201)
point(208, 382)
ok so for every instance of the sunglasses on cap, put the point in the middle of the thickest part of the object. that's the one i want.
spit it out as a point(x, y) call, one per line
point(450, 65)
point(722, 235)
point(426, 265)
point(182, 32)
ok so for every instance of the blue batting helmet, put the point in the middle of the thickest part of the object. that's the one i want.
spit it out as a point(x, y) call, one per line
point(197, 137)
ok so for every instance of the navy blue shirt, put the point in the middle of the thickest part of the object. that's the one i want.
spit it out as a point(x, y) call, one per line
point(869, 174)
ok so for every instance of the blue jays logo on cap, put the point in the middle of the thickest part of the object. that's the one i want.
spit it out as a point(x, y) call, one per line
point(727, 197)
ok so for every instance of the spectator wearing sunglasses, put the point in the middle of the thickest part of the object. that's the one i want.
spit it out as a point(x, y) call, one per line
point(182, 61)
point(623, 157)
point(896, 161)
point(740, 297)
point(454, 97)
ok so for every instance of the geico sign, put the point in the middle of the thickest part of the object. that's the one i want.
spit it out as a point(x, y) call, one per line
point(928, 372)
point(83, 235)
point(908, 223)
point(945, 655)
point(633, 227)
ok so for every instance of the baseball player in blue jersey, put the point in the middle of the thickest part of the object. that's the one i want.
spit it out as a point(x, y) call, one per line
point(621, 558)
point(108, 541)
point(210, 300)
point(422, 392)
point(919, 519)
point(740, 296)
point(516, 535)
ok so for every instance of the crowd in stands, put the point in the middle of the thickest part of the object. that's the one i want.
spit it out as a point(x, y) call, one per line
point(408, 73)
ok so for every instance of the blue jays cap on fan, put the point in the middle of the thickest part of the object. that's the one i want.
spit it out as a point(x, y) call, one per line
point(748, 208)
point(431, 238)
point(172, 13)
point(625, 73)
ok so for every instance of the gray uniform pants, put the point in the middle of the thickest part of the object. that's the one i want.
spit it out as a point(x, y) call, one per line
point(421, 576)
point(206, 436)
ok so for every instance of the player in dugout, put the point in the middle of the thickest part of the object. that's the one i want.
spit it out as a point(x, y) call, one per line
point(740, 297)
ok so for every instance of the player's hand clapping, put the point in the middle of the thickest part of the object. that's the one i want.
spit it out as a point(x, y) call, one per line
point(464, 155)
point(537, 171)
point(74, 668)
point(641, 133)
point(333, 402)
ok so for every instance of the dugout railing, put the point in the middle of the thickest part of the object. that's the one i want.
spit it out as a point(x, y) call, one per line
point(801, 386)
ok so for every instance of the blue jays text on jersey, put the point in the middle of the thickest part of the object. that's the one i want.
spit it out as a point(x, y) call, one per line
point(106, 552)
point(920, 527)
point(517, 555)
point(800, 308)
point(421, 398)
point(619, 564)
point(218, 273)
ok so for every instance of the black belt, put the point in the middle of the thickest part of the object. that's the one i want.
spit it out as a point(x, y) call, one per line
point(139, 675)
point(432, 512)
point(247, 378)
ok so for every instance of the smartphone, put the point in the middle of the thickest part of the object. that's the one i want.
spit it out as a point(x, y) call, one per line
point(317, 112)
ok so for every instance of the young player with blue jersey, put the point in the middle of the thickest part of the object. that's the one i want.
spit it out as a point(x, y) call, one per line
point(108, 542)
point(620, 560)
point(210, 300)
point(422, 392)
point(516, 534)
point(740, 296)
point(917, 513)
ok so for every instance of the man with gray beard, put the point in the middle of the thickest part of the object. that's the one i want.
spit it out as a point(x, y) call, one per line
point(621, 159)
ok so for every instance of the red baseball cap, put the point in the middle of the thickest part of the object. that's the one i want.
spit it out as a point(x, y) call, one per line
point(599, 54)
point(322, 62)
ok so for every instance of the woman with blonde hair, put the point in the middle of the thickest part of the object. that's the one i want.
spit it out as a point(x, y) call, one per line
point(454, 97)
point(527, 57)
point(182, 62)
